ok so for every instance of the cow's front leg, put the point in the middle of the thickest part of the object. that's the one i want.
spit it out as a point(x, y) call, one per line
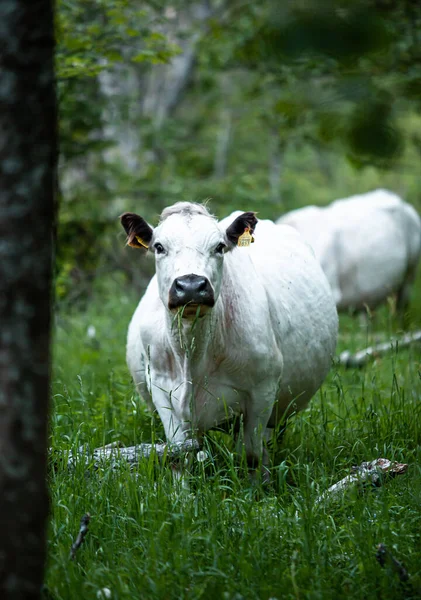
point(178, 429)
point(256, 432)
point(166, 400)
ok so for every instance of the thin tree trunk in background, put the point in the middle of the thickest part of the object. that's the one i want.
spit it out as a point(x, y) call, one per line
point(324, 162)
point(222, 144)
point(165, 84)
point(27, 190)
point(276, 151)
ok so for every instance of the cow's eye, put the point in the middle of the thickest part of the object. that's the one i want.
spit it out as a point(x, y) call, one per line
point(159, 248)
point(220, 248)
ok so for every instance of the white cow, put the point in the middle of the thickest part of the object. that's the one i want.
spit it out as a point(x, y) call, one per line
point(224, 330)
point(368, 245)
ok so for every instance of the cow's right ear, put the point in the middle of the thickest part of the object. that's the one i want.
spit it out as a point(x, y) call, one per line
point(139, 233)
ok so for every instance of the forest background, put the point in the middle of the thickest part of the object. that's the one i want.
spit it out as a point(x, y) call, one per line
point(264, 106)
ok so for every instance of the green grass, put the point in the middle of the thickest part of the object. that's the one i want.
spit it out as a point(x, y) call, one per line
point(223, 538)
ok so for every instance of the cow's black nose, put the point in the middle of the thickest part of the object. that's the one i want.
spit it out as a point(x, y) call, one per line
point(190, 284)
point(190, 289)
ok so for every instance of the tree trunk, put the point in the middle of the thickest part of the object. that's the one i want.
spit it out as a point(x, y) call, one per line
point(276, 156)
point(27, 208)
point(222, 144)
point(166, 84)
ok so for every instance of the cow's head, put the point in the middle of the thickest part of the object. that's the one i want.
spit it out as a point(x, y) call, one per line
point(189, 248)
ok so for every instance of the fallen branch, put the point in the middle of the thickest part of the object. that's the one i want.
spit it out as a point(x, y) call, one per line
point(113, 454)
point(360, 358)
point(373, 473)
point(384, 557)
point(84, 522)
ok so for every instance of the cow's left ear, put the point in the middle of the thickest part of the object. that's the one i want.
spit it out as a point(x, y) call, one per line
point(246, 221)
point(139, 233)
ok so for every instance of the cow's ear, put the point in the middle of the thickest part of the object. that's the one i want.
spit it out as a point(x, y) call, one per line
point(246, 221)
point(139, 233)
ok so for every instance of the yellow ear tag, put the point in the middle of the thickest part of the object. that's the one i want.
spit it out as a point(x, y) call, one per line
point(141, 242)
point(245, 239)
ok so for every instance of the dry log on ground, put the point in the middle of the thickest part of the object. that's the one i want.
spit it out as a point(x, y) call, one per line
point(373, 473)
point(360, 358)
point(113, 454)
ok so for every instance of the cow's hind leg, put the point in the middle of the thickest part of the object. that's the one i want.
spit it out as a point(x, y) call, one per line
point(402, 301)
point(403, 296)
point(256, 433)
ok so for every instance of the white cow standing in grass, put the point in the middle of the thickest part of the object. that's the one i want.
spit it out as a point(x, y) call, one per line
point(224, 330)
point(368, 245)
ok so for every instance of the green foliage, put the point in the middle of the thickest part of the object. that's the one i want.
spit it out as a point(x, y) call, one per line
point(327, 92)
point(333, 29)
point(358, 62)
point(286, 105)
point(92, 35)
point(81, 110)
point(372, 132)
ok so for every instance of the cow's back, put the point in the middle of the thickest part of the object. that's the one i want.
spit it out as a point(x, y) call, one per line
point(377, 243)
point(371, 257)
point(412, 226)
point(367, 244)
point(301, 308)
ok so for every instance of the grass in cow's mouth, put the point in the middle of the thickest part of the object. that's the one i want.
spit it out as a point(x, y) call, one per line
point(148, 539)
point(193, 311)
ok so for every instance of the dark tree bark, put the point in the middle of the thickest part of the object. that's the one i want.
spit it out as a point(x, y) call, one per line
point(27, 208)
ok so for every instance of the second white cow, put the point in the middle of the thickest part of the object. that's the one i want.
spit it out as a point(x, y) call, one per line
point(224, 330)
point(368, 245)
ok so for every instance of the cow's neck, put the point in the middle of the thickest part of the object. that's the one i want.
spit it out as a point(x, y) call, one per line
point(190, 340)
